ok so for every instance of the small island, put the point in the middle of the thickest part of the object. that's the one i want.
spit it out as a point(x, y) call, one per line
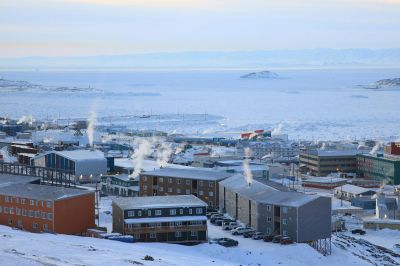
point(261, 75)
point(383, 83)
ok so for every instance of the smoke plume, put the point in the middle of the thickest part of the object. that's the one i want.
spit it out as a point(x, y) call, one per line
point(25, 119)
point(91, 127)
point(144, 149)
point(375, 148)
point(246, 167)
point(164, 152)
point(277, 130)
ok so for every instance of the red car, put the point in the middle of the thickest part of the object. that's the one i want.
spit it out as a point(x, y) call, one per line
point(286, 240)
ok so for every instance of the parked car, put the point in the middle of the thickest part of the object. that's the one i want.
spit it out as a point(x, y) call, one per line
point(229, 225)
point(286, 240)
point(276, 239)
point(215, 217)
point(248, 234)
point(268, 238)
point(228, 242)
point(358, 231)
point(219, 222)
point(241, 230)
point(258, 236)
point(209, 214)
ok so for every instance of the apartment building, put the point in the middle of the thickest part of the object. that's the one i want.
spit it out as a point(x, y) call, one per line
point(379, 167)
point(324, 162)
point(173, 219)
point(273, 211)
point(40, 208)
point(203, 183)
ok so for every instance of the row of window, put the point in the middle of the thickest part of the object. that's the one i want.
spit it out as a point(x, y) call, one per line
point(178, 191)
point(32, 202)
point(178, 234)
point(284, 221)
point(158, 225)
point(284, 209)
point(29, 213)
point(34, 224)
point(158, 212)
point(179, 181)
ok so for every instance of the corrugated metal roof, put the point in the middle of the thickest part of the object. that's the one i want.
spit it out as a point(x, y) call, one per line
point(159, 202)
point(6, 180)
point(266, 194)
point(41, 192)
point(204, 174)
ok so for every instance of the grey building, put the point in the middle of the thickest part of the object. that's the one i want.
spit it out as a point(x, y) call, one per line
point(271, 210)
point(173, 219)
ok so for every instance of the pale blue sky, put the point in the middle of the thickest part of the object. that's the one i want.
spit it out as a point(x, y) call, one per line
point(103, 27)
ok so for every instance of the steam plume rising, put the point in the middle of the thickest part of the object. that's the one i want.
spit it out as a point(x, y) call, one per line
point(25, 119)
point(277, 130)
point(143, 150)
point(163, 154)
point(246, 167)
point(375, 148)
point(91, 127)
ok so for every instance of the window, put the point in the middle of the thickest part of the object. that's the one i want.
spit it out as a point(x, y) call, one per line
point(50, 216)
point(153, 235)
point(149, 213)
point(268, 231)
point(18, 211)
point(188, 182)
point(170, 190)
point(196, 222)
point(131, 213)
point(145, 187)
point(172, 212)
point(201, 193)
point(187, 191)
point(35, 225)
point(180, 211)
point(269, 208)
point(11, 210)
point(199, 210)
point(284, 210)
point(157, 212)
point(178, 190)
point(1, 209)
point(19, 223)
point(200, 183)
point(31, 202)
point(16, 200)
point(193, 233)
point(178, 234)
point(139, 213)
point(269, 219)
point(45, 227)
point(285, 233)
point(48, 204)
point(23, 212)
point(44, 215)
point(161, 179)
point(284, 221)
point(36, 214)
point(7, 199)
point(10, 221)
point(161, 189)
point(170, 180)
point(144, 178)
point(178, 181)
point(211, 194)
point(30, 213)
point(190, 211)
point(210, 184)
point(23, 201)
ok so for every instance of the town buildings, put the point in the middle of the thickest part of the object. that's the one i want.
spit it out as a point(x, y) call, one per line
point(173, 219)
point(324, 162)
point(120, 185)
point(41, 208)
point(348, 192)
point(380, 167)
point(303, 217)
point(202, 183)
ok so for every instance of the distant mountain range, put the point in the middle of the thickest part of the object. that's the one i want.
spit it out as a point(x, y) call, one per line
point(240, 59)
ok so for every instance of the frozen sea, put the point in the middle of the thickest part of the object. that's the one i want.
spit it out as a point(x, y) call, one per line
point(308, 103)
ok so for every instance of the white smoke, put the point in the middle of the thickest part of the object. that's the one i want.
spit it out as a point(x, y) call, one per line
point(25, 119)
point(376, 148)
point(323, 146)
point(246, 167)
point(179, 149)
point(92, 120)
point(164, 152)
point(277, 130)
point(144, 149)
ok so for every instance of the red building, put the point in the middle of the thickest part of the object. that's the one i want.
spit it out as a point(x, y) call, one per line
point(41, 208)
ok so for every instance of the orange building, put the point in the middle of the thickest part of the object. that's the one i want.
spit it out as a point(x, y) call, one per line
point(41, 208)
